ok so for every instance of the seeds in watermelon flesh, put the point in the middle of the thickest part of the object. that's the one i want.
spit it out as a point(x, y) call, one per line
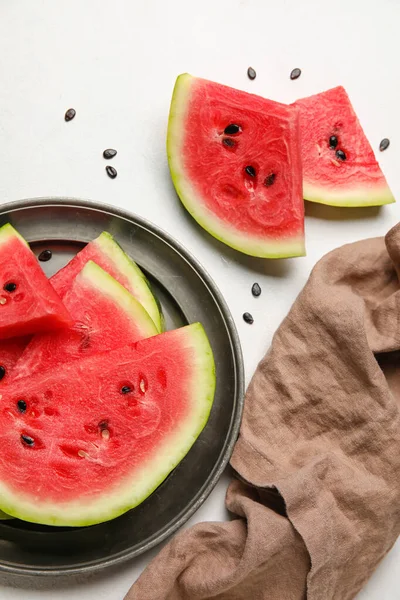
point(356, 179)
point(106, 253)
point(106, 316)
point(29, 303)
point(211, 178)
point(74, 482)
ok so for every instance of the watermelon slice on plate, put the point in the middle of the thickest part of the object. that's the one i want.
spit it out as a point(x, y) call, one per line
point(106, 316)
point(28, 302)
point(106, 253)
point(88, 442)
point(236, 166)
point(339, 165)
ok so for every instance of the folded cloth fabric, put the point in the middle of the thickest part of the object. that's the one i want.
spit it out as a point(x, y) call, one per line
point(317, 499)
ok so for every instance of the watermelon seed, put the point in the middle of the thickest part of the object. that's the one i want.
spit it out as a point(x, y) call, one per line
point(83, 454)
point(26, 439)
point(109, 153)
point(384, 145)
point(248, 318)
point(256, 290)
point(3, 300)
point(70, 114)
point(333, 141)
point(111, 172)
point(2, 372)
point(229, 143)
point(251, 74)
point(45, 255)
point(126, 389)
point(250, 171)
point(142, 386)
point(103, 425)
point(232, 129)
point(269, 180)
point(21, 404)
point(10, 287)
point(295, 74)
point(340, 155)
point(105, 434)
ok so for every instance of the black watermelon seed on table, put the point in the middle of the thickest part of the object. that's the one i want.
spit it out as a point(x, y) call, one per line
point(45, 255)
point(250, 171)
point(27, 440)
point(2, 372)
point(232, 129)
point(333, 141)
point(21, 405)
point(295, 74)
point(251, 74)
point(111, 172)
point(248, 318)
point(384, 145)
point(109, 153)
point(256, 290)
point(340, 155)
point(269, 180)
point(70, 114)
point(10, 287)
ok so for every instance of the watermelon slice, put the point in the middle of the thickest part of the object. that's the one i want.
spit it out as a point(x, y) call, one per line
point(339, 165)
point(28, 303)
point(236, 166)
point(98, 436)
point(106, 315)
point(105, 252)
point(10, 352)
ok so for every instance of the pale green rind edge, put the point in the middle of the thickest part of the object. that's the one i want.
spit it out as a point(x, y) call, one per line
point(7, 231)
point(130, 269)
point(179, 444)
point(108, 286)
point(356, 198)
point(4, 516)
point(243, 242)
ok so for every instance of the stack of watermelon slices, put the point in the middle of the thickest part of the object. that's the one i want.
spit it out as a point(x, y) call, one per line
point(241, 164)
point(98, 405)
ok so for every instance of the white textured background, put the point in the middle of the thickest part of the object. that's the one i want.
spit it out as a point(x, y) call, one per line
point(115, 63)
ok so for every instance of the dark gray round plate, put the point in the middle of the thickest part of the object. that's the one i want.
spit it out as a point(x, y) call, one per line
point(187, 294)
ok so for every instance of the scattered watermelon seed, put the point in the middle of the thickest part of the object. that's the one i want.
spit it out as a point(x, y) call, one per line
point(70, 114)
point(256, 290)
point(109, 153)
point(105, 434)
point(26, 439)
point(45, 255)
point(3, 300)
point(111, 172)
point(340, 155)
point(2, 372)
point(384, 145)
point(82, 454)
point(10, 287)
point(248, 318)
point(126, 389)
point(251, 74)
point(295, 74)
point(232, 129)
point(229, 143)
point(333, 141)
point(21, 405)
point(142, 386)
point(269, 180)
point(250, 171)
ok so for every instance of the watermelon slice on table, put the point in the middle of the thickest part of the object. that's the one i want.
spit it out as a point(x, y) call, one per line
point(106, 316)
point(100, 435)
point(105, 252)
point(236, 166)
point(28, 302)
point(339, 165)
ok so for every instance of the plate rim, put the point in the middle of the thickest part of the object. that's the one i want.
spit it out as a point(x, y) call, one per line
point(236, 418)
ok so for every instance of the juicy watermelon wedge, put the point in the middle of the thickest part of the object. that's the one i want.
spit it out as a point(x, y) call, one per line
point(86, 450)
point(105, 252)
point(28, 303)
point(355, 181)
point(106, 316)
point(10, 352)
point(245, 186)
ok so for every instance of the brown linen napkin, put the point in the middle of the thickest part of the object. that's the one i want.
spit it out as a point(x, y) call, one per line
point(318, 457)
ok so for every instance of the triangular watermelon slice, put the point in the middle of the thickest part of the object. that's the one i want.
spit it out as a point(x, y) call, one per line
point(105, 252)
point(106, 316)
point(235, 163)
point(339, 165)
point(28, 302)
point(87, 442)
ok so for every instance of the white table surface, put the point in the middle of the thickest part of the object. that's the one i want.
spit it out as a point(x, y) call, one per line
point(115, 63)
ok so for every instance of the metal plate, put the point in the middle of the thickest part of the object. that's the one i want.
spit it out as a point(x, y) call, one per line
point(187, 294)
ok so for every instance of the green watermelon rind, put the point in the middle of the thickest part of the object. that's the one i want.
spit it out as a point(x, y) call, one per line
point(252, 245)
point(4, 516)
point(156, 471)
point(7, 231)
point(356, 198)
point(133, 273)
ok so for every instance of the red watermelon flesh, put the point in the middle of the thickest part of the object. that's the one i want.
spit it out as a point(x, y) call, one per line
point(355, 181)
point(106, 316)
point(28, 302)
point(10, 352)
point(97, 436)
point(235, 163)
